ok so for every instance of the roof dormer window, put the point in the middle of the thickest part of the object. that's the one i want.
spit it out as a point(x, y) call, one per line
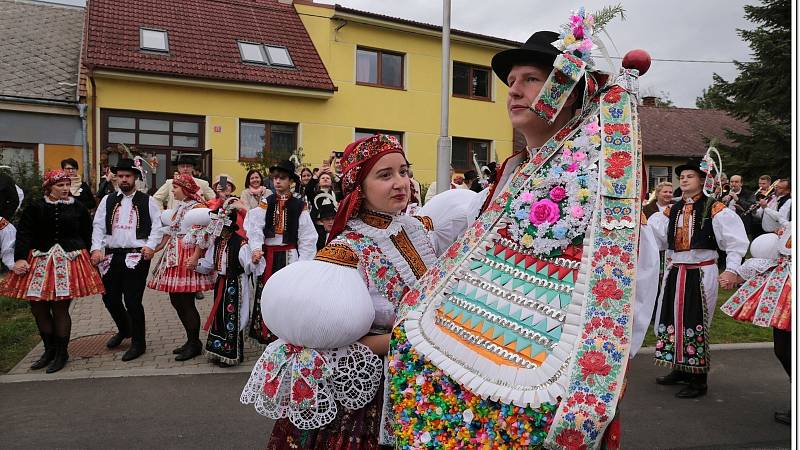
point(153, 40)
point(271, 55)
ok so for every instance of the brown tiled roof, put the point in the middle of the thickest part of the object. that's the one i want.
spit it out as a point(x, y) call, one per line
point(682, 131)
point(202, 40)
point(39, 50)
point(426, 26)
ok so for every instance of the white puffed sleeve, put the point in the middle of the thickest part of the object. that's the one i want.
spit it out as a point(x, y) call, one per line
point(658, 224)
point(8, 236)
point(731, 238)
point(317, 304)
point(205, 265)
point(306, 237)
point(647, 267)
point(254, 227)
point(451, 214)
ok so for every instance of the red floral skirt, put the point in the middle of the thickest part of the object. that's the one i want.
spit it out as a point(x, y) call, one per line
point(178, 278)
point(55, 277)
point(781, 316)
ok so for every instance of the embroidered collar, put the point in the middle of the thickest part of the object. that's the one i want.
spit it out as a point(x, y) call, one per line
point(694, 199)
point(68, 201)
point(376, 219)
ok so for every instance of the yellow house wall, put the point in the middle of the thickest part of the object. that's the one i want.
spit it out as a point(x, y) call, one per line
point(328, 124)
point(54, 154)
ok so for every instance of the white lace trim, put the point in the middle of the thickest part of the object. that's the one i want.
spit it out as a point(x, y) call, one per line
point(355, 377)
point(68, 201)
point(382, 237)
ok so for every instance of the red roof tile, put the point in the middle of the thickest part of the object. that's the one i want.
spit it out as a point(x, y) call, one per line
point(202, 39)
point(681, 131)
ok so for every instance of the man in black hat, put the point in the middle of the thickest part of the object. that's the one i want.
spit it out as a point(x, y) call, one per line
point(185, 165)
point(280, 229)
point(559, 102)
point(692, 231)
point(123, 239)
point(323, 211)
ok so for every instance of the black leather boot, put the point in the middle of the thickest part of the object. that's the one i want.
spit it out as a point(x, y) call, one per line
point(674, 377)
point(179, 350)
point(62, 356)
point(698, 386)
point(49, 352)
point(191, 350)
point(116, 340)
point(138, 344)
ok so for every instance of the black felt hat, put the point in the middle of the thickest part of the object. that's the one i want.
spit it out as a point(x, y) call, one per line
point(126, 164)
point(288, 167)
point(537, 49)
point(691, 164)
point(324, 206)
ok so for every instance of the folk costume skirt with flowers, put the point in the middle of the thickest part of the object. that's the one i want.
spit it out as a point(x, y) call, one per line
point(766, 299)
point(54, 275)
point(682, 329)
point(172, 274)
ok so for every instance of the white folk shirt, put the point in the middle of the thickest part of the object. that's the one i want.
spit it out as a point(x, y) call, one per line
point(731, 238)
point(123, 226)
point(307, 236)
point(773, 218)
point(8, 236)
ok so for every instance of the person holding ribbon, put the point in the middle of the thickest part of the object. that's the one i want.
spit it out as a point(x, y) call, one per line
point(520, 335)
point(52, 265)
point(175, 272)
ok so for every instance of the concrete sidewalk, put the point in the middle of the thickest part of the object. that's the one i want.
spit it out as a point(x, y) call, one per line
point(92, 326)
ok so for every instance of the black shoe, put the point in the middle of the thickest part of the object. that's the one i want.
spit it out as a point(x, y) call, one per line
point(134, 352)
point(116, 340)
point(49, 352)
point(784, 417)
point(199, 296)
point(179, 350)
point(692, 391)
point(191, 350)
point(674, 377)
point(61, 357)
point(223, 364)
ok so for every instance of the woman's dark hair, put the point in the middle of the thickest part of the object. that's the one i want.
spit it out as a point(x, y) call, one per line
point(71, 162)
point(247, 177)
point(306, 169)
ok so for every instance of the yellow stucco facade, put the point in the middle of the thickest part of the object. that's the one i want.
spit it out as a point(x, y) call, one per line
point(328, 122)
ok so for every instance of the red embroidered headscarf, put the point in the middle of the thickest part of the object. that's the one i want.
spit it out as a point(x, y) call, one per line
point(357, 161)
point(189, 187)
point(54, 176)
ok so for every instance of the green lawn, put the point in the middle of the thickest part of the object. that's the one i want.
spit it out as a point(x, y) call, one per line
point(18, 333)
point(724, 329)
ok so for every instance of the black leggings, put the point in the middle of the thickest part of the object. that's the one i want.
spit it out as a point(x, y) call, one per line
point(184, 304)
point(52, 317)
point(782, 341)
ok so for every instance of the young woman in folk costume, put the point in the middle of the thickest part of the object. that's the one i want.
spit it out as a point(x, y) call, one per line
point(349, 292)
point(52, 265)
point(175, 272)
point(228, 258)
point(765, 295)
point(520, 336)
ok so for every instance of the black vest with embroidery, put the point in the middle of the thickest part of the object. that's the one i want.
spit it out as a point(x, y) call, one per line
point(781, 201)
point(703, 233)
point(141, 207)
point(234, 243)
point(293, 207)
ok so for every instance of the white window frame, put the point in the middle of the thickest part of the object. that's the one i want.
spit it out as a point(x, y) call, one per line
point(143, 30)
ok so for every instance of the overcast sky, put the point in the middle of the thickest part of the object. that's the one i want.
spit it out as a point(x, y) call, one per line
point(686, 30)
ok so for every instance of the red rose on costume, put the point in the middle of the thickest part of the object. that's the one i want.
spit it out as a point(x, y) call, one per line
point(271, 387)
point(611, 96)
point(301, 391)
point(544, 211)
point(452, 252)
point(571, 439)
point(600, 408)
point(619, 159)
point(607, 289)
point(382, 272)
point(593, 362)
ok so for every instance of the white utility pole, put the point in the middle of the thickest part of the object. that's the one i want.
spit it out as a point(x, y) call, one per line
point(445, 144)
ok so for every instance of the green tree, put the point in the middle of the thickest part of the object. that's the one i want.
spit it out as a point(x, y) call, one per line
point(759, 95)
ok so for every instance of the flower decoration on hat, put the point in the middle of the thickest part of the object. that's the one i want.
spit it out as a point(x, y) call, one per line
point(576, 36)
point(54, 176)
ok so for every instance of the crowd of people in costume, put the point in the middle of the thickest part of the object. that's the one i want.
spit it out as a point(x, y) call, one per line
point(501, 312)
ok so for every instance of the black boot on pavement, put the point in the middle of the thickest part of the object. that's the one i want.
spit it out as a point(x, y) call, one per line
point(61, 357)
point(698, 386)
point(138, 344)
point(49, 352)
point(116, 340)
point(784, 417)
point(179, 350)
point(674, 377)
point(191, 350)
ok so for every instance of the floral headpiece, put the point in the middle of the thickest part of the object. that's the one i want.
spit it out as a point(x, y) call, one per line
point(576, 36)
point(190, 188)
point(54, 176)
point(357, 160)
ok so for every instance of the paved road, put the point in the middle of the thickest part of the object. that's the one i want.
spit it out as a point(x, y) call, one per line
point(203, 411)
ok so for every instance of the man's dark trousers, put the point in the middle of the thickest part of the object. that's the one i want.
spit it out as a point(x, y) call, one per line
point(121, 282)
